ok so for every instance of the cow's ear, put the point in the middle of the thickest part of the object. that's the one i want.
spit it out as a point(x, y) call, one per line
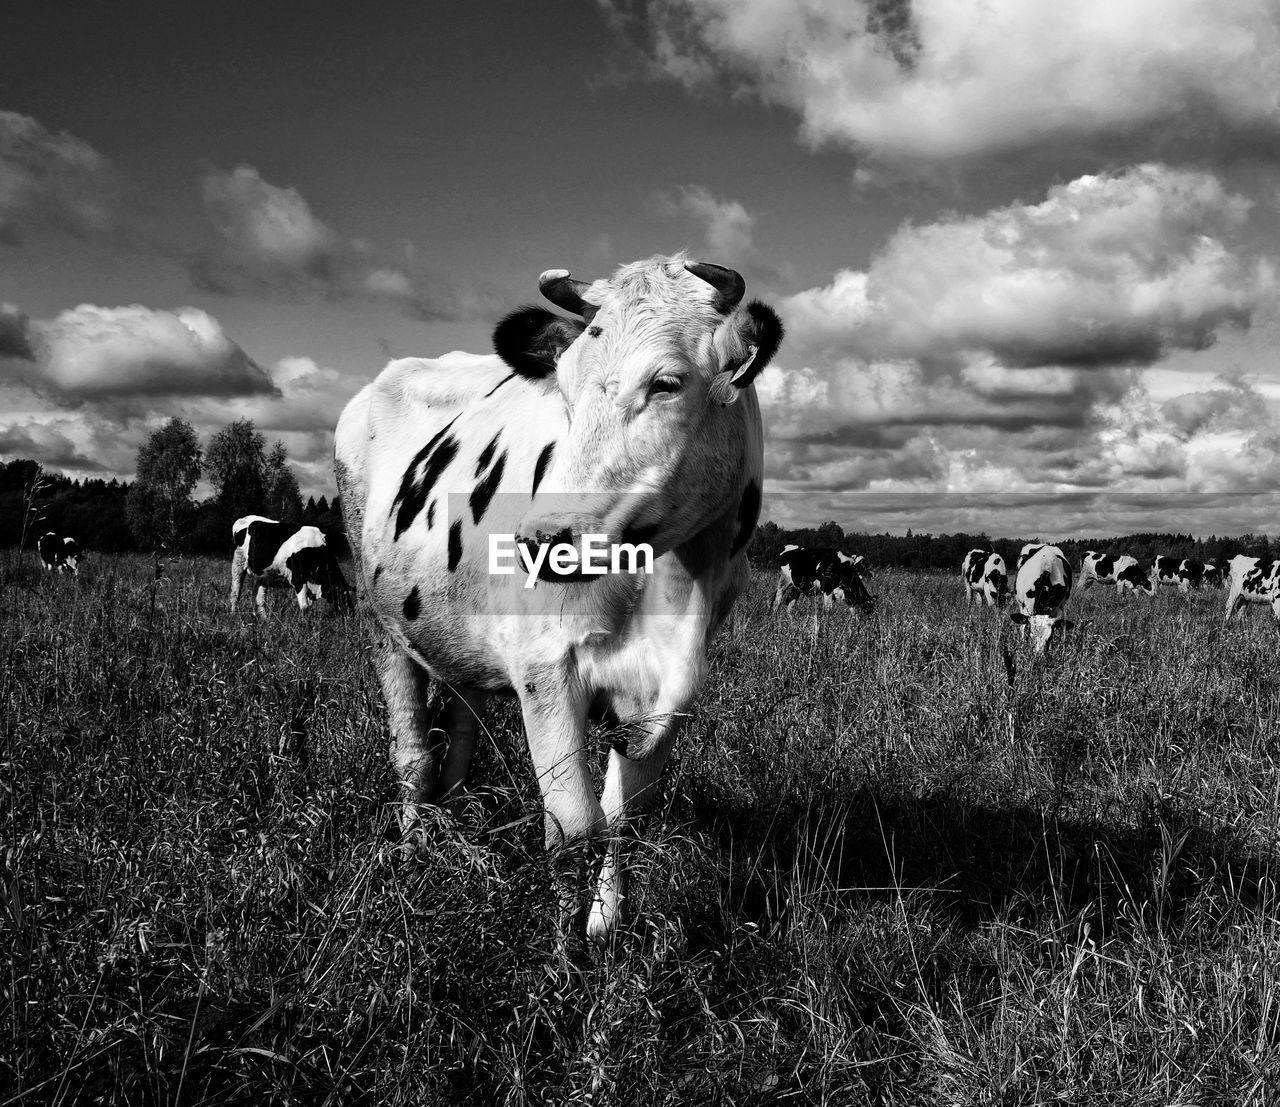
point(748, 340)
point(1017, 617)
point(531, 340)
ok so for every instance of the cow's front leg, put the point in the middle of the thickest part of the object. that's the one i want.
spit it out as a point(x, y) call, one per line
point(554, 706)
point(415, 747)
point(630, 789)
point(260, 600)
point(237, 578)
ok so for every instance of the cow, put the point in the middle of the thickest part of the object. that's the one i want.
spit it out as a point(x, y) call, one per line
point(983, 574)
point(1125, 572)
point(636, 419)
point(59, 555)
point(1164, 570)
point(1193, 574)
point(1252, 580)
point(816, 571)
point(1040, 593)
point(281, 554)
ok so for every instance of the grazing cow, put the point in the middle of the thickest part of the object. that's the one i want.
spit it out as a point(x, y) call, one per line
point(1193, 574)
point(1164, 570)
point(1252, 580)
point(810, 572)
point(280, 554)
point(636, 420)
point(1040, 593)
point(59, 555)
point(1125, 572)
point(983, 575)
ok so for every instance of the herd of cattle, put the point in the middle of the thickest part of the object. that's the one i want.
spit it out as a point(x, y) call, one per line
point(642, 389)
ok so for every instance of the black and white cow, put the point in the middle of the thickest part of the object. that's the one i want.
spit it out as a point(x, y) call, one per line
point(637, 420)
point(1252, 580)
point(1125, 572)
point(1164, 570)
point(59, 555)
point(826, 572)
point(1040, 593)
point(281, 554)
point(1192, 575)
point(983, 575)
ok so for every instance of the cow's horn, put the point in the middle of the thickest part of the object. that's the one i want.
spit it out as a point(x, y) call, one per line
point(728, 283)
point(566, 293)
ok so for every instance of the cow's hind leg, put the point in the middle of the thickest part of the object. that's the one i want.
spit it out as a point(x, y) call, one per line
point(415, 746)
point(459, 718)
point(630, 789)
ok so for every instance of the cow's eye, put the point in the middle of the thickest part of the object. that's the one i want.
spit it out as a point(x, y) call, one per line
point(665, 385)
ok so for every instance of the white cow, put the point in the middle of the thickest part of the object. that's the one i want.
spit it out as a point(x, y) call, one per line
point(1252, 580)
point(636, 420)
point(984, 576)
point(1041, 591)
point(280, 554)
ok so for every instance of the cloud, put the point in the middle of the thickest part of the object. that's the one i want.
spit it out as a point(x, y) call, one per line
point(15, 334)
point(1007, 350)
point(933, 80)
point(727, 227)
point(100, 354)
point(268, 240)
point(52, 179)
point(1111, 269)
point(48, 443)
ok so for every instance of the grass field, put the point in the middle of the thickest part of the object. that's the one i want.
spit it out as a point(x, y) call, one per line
point(890, 866)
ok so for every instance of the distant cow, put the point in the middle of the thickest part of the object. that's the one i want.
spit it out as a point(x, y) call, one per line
point(825, 572)
point(983, 575)
point(1193, 574)
point(1252, 580)
point(1164, 570)
point(1040, 593)
point(59, 555)
point(1125, 572)
point(280, 554)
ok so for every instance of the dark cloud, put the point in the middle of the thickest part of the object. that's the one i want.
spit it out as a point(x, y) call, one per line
point(53, 179)
point(15, 338)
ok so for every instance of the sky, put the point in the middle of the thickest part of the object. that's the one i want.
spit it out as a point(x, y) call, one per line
point(1027, 253)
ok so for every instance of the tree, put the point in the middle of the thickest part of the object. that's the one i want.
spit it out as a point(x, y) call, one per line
point(236, 465)
point(283, 499)
point(159, 506)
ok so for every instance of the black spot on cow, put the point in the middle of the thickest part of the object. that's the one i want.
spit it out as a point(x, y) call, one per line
point(748, 516)
point(594, 331)
point(317, 565)
point(483, 492)
point(530, 688)
point(486, 455)
point(412, 604)
point(423, 472)
point(1029, 553)
point(977, 561)
point(1136, 576)
point(455, 544)
point(265, 540)
point(1105, 565)
point(377, 572)
point(540, 469)
point(1254, 579)
point(431, 514)
point(495, 388)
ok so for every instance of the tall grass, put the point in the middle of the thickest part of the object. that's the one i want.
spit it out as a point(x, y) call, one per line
point(900, 862)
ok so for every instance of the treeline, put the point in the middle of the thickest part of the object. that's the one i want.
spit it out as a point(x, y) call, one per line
point(946, 551)
point(157, 510)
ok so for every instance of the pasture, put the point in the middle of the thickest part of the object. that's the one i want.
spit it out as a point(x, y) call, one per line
point(900, 863)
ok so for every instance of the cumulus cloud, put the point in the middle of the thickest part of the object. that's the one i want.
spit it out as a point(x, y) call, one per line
point(51, 443)
point(54, 179)
point(937, 80)
point(1006, 350)
point(1110, 269)
point(97, 353)
point(727, 227)
point(267, 239)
